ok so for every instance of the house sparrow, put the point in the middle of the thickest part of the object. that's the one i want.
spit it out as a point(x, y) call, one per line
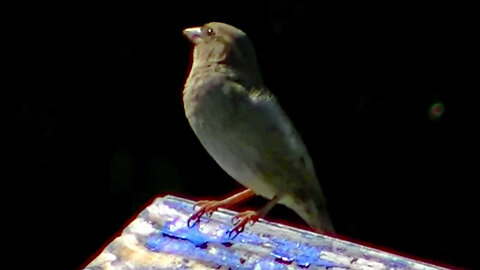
point(242, 126)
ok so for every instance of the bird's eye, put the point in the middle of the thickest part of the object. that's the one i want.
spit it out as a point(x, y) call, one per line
point(210, 32)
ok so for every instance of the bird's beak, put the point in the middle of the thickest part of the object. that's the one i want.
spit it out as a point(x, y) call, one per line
point(193, 34)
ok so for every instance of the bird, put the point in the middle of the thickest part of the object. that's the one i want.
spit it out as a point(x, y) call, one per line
point(244, 129)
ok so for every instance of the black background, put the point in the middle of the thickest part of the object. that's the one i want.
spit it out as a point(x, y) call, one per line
point(100, 127)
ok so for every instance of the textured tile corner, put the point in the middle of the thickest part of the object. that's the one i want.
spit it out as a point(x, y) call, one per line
point(160, 239)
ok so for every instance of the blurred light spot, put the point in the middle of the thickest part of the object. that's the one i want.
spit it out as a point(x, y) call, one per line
point(436, 111)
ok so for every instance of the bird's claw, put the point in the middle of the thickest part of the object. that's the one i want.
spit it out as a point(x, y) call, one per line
point(240, 221)
point(206, 208)
point(235, 232)
point(201, 203)
point(235, 220)
point(195, 221)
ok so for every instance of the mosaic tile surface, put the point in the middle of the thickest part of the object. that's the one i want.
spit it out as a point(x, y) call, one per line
point(160, 239)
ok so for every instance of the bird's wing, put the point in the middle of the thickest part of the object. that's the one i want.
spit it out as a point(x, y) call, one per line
point(269, 130)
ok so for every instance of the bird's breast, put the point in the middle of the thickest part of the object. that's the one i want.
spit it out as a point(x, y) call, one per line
point(218, 118)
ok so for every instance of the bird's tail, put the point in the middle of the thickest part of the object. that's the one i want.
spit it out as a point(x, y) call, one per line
point(316, 216)
point(323, 224)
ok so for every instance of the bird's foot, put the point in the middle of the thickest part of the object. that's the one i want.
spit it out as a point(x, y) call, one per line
point(206, 208)
point(240, 220)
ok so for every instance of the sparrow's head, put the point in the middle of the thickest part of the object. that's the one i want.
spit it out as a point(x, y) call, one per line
point(221, 43)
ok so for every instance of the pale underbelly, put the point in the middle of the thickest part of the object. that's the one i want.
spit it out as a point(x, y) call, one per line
point(241, 162)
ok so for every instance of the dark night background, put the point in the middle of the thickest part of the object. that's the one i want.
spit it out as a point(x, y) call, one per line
point(100, 128)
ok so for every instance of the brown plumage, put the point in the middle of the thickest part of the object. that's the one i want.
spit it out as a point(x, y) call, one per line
point(242, 126)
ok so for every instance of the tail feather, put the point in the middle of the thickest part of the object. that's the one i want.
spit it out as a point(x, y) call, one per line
point(315, 215)
point(323, 224)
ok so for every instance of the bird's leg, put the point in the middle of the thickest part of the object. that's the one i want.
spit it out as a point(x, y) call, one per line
point(241, 219)
point(209, 206)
